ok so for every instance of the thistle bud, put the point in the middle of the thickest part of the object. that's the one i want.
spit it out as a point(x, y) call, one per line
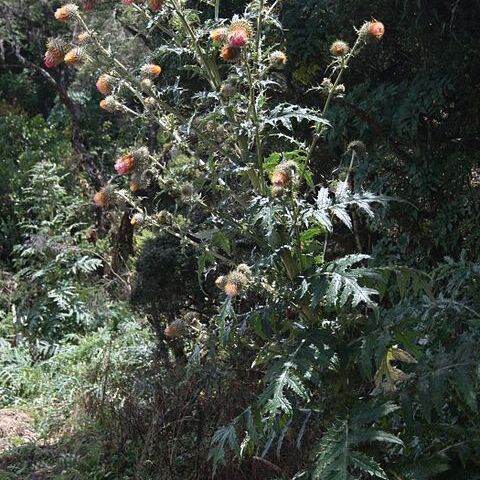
point(220, 282)
point(67, 12)
point(151, 70)
point(227, 90)
point(376, 29)
point(74, 56)
point(339, 48)
point(146, 84)
point(230, 54)
point(56, 49)
point(234, 283)
point(137, 220)
point(83, 38)
point(165, 218)
point(278, 59)
point(277, 191)
point(219, 35)
point(104, 84)
point(103, 197)
point(149, 103)
point(283, 173)
point(141, 154)
point(125, 164)
point(186, 190)
point(110, 104)
point(175, 328)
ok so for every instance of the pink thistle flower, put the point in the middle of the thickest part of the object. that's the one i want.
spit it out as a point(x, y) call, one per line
point(125, 164)
point(238, 38)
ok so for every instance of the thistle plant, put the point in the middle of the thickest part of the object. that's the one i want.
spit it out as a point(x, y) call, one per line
point(232, 157)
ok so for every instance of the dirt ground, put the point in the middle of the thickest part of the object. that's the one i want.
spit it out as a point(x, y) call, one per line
point(15, 427)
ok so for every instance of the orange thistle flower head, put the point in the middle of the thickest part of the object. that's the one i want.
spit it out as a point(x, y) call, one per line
point(235, 281)
point(151, 70)
point(283, 173)
point(230, 54)
point(239, 33)
point(219, 35)
point(103, 197)
point(104, 84)
point(376, 29)
point(67, 12)
point(74, 56)
point(339, 48)
point(110, 104)
point(125, 164)
point(278, 59)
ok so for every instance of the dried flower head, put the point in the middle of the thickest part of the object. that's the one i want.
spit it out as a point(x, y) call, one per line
point(376, 29)
point(67, 12)
point(238, 33)
point(149, 103)
point(358, 147)
point(137, 219)
point(230, 54)
point(141, 154)
point(74, 56)
point(175, 328)
point(151, 70)
point(339, 48)
point(219, 35)
point(278, 59)
point(125, 164)
point(220, 282)
point(104, 84)
point(244, 269)
point(56, 49)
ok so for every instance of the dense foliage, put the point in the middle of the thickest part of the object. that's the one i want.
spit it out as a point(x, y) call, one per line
point(295, 216)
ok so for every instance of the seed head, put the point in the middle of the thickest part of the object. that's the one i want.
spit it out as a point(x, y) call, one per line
point(125, 164)
point(103, 197)
point(150, 103)
point(83, 38)
point(278, 59)
point(175, 328)
point(141, 154)
point(244, 269)
point(146, 84)
point(339, 48)
point(104, 84)
point(67, 12)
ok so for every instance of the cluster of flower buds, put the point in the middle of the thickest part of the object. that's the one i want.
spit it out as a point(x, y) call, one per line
point(56, 50)
point(326, 87)
point(232, 39)
point(282, 176)
point(236, 281)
